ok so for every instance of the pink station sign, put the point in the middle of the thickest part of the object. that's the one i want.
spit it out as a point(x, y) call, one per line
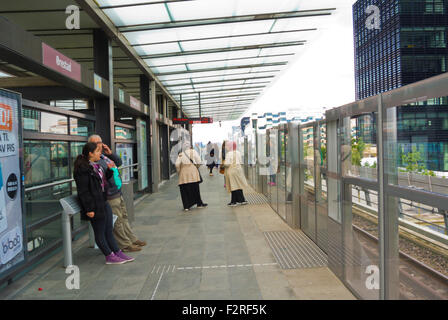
point(134, 102)
point(57, 61)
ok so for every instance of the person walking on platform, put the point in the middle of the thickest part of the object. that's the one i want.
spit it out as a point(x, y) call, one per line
point(126, 239)
point(235, 180)
point(210, 157)
point(91, 184)
point(223, 157)
point(187, 167)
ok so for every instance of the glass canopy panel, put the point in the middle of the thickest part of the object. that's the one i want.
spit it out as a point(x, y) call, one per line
point(298, 23)
point(153, 13)
point(239, 75)
point(201, 9)
point(4, 75)
point(169, 69)
point(281, 50)
point(240, 82)
point(103, 3)
point(201, 74)
point(196, 32)
point(266, 6)
point(158, 48)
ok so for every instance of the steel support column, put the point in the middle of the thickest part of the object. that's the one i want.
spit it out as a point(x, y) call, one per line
point(104, 107)
point(155, 154)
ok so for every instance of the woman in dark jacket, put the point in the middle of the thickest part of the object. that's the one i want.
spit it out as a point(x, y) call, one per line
point(91, 183)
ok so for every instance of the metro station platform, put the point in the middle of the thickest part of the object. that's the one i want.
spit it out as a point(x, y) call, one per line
point(219, 252)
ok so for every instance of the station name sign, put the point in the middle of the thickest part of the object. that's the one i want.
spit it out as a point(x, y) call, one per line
point(192, 120)
point(60, 63)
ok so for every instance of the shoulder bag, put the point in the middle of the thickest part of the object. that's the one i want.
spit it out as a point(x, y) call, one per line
point(200, 177)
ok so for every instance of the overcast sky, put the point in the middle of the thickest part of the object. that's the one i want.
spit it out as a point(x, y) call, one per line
point(320, 77)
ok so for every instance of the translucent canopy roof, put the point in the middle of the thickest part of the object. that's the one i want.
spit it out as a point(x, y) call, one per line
point(215, 55)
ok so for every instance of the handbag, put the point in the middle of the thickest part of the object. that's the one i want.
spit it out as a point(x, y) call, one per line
point(200, 181)
point(221, 170)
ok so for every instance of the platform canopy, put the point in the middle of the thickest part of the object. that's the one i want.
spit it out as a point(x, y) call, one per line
point(219, 54)
point(214, 55)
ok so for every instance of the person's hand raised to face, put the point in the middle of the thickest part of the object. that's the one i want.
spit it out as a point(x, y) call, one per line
point(106, 149)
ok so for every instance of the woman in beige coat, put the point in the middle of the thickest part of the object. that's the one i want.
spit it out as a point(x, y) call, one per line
point(235, 180)
point(187, 166)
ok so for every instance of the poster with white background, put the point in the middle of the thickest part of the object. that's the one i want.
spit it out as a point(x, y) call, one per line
point(11, 223)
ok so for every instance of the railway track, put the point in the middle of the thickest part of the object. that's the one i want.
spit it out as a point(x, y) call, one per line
point(417, 281)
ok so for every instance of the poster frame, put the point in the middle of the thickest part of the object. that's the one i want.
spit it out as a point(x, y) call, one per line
point(18, 97)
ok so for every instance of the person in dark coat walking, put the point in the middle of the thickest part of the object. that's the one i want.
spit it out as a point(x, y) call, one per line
point(91, 184)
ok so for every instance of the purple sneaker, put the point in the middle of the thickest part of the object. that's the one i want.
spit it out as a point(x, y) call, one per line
point(114, 259)
point(124, 257)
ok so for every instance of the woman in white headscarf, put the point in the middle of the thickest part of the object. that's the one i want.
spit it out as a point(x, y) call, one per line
point(187, 166)
point(235, 180)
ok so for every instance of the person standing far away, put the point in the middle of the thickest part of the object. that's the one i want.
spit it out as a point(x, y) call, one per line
point(123, 233)
point(223, 157)
point(91, 185)
point(210, 157)
point(187, 167)
point(235, 180)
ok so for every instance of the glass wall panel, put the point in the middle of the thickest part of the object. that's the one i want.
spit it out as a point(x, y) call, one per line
point(359, 146)
point(44, 122)
point(281, 173)
point(45, 161)
point(361, 246)
point(410, 249)
point(418, 145)
point(321, 189)
point(81, 127)
point(307, 177)
point(75, 150)
point(124, 133)
point(273, 168)
point(41, 238)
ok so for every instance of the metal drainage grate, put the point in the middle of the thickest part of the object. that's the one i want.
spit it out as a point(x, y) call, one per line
point(255, 198)
point(294, 250)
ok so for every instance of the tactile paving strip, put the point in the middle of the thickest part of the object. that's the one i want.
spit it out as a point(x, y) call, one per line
point(255, 198)
point(294, 250)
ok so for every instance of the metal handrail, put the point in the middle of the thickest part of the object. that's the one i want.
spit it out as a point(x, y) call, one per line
point(52, 184)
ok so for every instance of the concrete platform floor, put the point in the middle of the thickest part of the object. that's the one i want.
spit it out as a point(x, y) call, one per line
point(214, 253)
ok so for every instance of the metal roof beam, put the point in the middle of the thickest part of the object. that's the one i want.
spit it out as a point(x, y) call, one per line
point(247, 66)
point(103, 21)
point(141, 4)
point(224, 60)
point(219, 97)
point(233, 89)
point(206, 82)
point(216, 102)
point(222, 20)
point(232, 74)
point(224, 37)
point(227, 49)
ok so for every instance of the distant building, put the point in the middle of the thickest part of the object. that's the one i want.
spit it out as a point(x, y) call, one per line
point(409, 46)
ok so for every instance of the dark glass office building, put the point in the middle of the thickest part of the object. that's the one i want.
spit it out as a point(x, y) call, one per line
point(410, 45)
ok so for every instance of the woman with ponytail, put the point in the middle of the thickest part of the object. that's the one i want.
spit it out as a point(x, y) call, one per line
point(91, 183)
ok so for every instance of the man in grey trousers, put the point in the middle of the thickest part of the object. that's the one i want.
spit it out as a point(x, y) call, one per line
point(126, 239)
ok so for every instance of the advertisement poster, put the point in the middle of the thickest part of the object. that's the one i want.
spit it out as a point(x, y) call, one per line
point(11, 224)
point(124, 151)
point(143, 154)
